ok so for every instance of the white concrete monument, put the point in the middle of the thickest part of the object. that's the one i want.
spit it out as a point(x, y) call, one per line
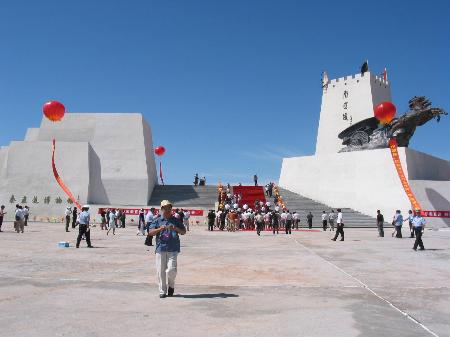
point(104, 159)
point(364, 180)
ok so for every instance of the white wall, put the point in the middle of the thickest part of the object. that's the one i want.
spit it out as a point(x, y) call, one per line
point(362, 180)
point(364, 92)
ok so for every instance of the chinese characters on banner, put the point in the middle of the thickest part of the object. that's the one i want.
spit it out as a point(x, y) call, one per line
point(135, 211)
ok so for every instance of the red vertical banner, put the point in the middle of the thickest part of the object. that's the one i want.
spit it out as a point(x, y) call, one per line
point(59, 180)
point(401, 174)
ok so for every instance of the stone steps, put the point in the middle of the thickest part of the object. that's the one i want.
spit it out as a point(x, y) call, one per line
point(301, 204)
point(188, 196)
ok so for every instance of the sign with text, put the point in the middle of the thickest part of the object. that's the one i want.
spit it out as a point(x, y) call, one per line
point(135, 211)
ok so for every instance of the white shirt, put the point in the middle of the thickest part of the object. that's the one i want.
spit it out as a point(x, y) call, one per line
point(339, 218)
point(149, 216)
point(288, 216)
point(331, 216)
point(324, 216)
point(187, 215)
point(68, 212)
point(296, 216)
point(19, 213)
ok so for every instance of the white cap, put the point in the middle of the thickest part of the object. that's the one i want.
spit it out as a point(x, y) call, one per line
point(86, 206)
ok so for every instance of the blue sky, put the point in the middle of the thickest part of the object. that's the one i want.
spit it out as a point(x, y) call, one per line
point(229, 87)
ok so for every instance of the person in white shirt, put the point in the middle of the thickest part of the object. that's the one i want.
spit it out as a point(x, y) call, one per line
point(339, 226)
point(288, 224)
point(112, 222)
point(331, 218)
point(19, 219)
point(296, 217)
point(67, 213)
point(324, 221)
point(259, 223)
point(26, 214)
point(186, 217)
point(418, 223)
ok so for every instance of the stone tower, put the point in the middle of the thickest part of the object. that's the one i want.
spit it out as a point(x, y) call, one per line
point(346, 101)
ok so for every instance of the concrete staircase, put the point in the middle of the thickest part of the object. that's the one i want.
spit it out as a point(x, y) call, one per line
point(296, 202)
point(204, 197)
point(188, 196)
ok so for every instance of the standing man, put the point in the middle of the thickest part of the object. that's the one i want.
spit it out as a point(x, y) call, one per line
point(167, 230)
point(67, 213)
point(19, 223)
point(259, 218)
point(83, 228)
point(296, 217)
point(309, 217)
point(112, 222)
point(255, 179)
point(149, 218)
point(339, 225)
point(331, 218)
point(211, 219)
point(380, 224)
point(288, 225)
point(398, 222)
point(26, 214)
point(2, 214)
point(411, 227)
point(418, 223)
point(196, 179)
point(186, 217)
point(275, 222)
point(324, 221)
point(74, 217)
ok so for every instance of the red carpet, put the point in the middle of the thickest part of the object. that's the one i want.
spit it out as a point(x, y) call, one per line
point(250, 194)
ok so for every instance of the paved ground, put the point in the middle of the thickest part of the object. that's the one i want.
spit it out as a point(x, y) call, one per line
point(229, 284)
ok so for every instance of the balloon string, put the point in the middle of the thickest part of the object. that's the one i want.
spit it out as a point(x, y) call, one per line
point(60, 181)
point(160, 172)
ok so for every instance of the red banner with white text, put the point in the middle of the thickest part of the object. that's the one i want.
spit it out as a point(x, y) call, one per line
point(135, 211)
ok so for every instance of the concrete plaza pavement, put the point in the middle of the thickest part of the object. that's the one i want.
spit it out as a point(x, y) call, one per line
point(228, 284)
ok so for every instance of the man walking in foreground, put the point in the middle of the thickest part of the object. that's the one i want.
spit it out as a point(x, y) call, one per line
point(167, 230)
point(339, 226)
point(418, 223)
point(83, 227)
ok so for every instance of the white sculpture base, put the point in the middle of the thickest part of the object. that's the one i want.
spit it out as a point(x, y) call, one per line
point(367, 180)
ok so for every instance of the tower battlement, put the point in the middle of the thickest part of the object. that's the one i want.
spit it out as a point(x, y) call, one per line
point(346, 101)
point(356, 78)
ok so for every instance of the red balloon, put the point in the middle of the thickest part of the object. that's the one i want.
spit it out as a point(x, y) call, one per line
point(160, 150)
point(54, 110)
point(385, 112)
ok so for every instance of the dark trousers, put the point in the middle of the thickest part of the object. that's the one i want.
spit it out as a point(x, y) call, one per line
point(411, 229)
point(296, 223)
point(309, 223)
point(259, 227)
point(380, 229)
point(67, 222)
point(275, 228)
point(324, 224)
point(26, 220)
point(256, 182)
point(1, 223)
point(399, 231)
point(211, 226)
point(74, 221)
point(288, 226)
point(339, 230)
point(418, 242)
point(83, 230)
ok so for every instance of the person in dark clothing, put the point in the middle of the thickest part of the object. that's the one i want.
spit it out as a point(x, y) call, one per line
point(380, 223)
point(255, 179)
point(2, 214)
point(74, 217)
point(196, 179)
point(309, 217)
point(275, 222)
point(418, 223)
point(223, 216)
point(123, 218)
point(84, 227)
point(211, 218)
